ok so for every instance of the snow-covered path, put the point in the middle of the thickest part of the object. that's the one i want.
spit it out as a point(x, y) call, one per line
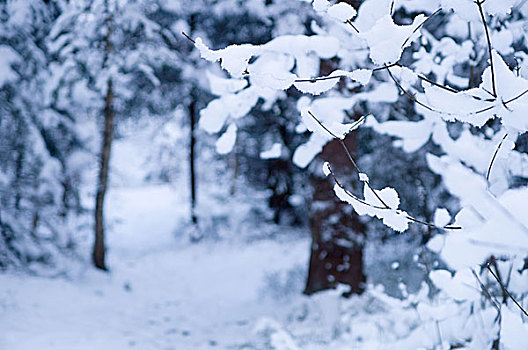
point(159, 296)
point(162, 292)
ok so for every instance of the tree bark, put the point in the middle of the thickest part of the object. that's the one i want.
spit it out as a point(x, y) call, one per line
point(192, 156)
point(104, 167)
point(337, 234)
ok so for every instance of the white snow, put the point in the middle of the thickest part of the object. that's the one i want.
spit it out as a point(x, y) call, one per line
point(341, 11)
point(387, 49)
point(273, 152)
point(226, 142)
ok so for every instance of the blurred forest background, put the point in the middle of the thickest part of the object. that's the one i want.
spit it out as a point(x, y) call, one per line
point(105, 166)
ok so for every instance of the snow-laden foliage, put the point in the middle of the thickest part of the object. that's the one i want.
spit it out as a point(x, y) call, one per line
point(449, 61)
point(39, 143)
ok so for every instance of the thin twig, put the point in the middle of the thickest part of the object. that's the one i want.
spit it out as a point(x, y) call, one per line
point(487, 292)
point(348, 21)
point(516, 97)
point(493, 158)
point(420, 26)
point(408, 94)
point(189, 38)
point(488, 39)
point(445, 87)
point(506, 290)
point(313, 80)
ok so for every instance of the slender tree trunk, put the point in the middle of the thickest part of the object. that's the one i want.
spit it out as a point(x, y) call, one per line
point(192, 158)
point(104, 165)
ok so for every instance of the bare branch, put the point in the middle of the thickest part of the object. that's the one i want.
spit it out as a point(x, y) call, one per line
point(408, 94)
point(506, 290)
point(189, 38)
point(420, 26)
point(348, 21)
point(313, 80)
point(487, 293)
point(493, 158)
point(488, 39)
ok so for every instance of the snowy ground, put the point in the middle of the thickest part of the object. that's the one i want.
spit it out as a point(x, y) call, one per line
point(194, 297)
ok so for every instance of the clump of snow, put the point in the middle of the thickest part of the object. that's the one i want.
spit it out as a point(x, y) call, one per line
point(221, 86)
point(326, 169)
point(387, 49)
point(374, 204)
point(273, 152)
point(234, 58)
point(441, 217)
point(320, 5)
point(341, 11)
point(226, 142)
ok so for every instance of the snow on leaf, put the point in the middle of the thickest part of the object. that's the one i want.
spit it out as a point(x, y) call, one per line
point(462, 286)
point(316, 87)
point(513, 329)
point(363, 177)
point(465, 9)
point(226, 142)
point(233, 58)
point(213, 117)
point(392, 217)
point(500, 7)
point(362, 76)
point(387, 194)
point(326, 169)
point(306, 152)
point(341, 11)
point(387, 49)
point(320, 5)
point(441, 217)
point(412, 135)
point(476, 106)
point(272, 153)
point(221, 86)
point(319, 85)
point(272, 70)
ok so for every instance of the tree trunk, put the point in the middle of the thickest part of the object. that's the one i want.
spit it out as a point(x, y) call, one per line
point(192, 156)
point(337, 235)
point(104, 165)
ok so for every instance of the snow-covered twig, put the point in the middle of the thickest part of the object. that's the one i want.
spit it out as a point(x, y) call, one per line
point(367, 183)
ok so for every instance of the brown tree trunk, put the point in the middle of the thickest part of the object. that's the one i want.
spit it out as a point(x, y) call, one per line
point(192, 158)
point(337, 235)
point(104, 165)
